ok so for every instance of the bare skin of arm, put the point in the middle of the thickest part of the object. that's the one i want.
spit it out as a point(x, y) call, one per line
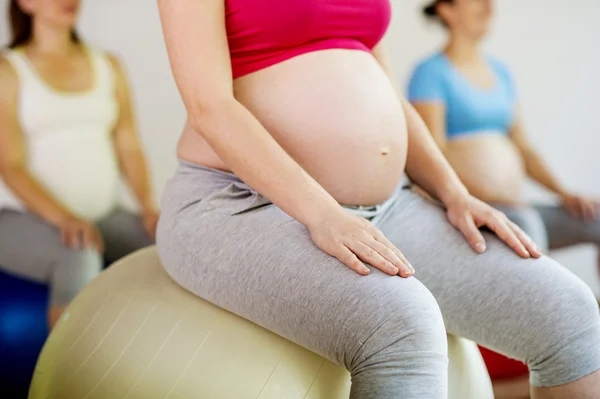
point(129, 151)
point(538, 170)
point(428, 167)
point(535, 166)
point(14, 172)
point(202, 71)
point(433, 116)
point(426, 164)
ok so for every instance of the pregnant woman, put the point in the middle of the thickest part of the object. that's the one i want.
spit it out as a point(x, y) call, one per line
point(469, 103)
point(289, 208)
point(66, 126)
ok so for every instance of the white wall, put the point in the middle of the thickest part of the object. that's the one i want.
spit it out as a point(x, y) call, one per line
point(552, 47)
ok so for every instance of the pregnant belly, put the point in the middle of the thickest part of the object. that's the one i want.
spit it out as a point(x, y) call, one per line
point(336, 113)
point(80, 171)
point(490, 166)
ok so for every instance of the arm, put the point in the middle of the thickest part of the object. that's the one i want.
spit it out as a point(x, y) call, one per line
point(203, 74)
point(13, 170)
point(128, 147)
point(538, 170)
point(433, 114)
point(426, 86)
point(13, 161)
point(196, 40)
point(535, 166)
point(425, 164)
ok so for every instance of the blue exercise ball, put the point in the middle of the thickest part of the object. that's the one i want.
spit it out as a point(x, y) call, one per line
point(23, 331)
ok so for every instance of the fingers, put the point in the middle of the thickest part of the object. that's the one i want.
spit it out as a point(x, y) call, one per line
point(79, 236)
point(92, 239)
point(373, 258)
point(529, 244)
point(150, 227)
point(472, 234)
point(88, 237)
point(70, 237)
point(580, 209)
point(389, 251)
point(64, 237)
point(573, 209)
point(98, 241)
point(500, 226)
point(348, 258)
point(588, 210)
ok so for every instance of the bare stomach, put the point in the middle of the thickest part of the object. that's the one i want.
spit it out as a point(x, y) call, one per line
point(335, 112)
point(490, 166)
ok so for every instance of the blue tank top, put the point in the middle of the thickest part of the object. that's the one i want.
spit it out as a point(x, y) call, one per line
point(469, 109)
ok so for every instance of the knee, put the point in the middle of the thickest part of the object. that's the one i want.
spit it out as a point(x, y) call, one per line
point(410, 329)
point(73, 270)
point(567, 342)
point(570, 306)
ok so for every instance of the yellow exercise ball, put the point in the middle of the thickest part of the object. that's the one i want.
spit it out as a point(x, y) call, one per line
point(135, 334)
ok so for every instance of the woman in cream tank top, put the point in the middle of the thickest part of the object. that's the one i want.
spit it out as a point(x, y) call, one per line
point(66, 134)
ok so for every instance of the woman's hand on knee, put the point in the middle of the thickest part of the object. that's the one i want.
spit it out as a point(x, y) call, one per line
point(468, 214)
point(80, 234)
point(354, 240)
point(587, 209)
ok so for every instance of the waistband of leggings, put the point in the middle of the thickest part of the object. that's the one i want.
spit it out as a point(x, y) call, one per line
point(368, 211)
point(187, 166)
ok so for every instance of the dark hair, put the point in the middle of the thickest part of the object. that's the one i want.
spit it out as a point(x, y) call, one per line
point(430, 11)
point(21, 25)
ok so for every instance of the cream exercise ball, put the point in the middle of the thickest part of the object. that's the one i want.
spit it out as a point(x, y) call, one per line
point(135, 334)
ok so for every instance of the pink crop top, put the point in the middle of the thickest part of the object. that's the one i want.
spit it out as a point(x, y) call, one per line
point(262, 33)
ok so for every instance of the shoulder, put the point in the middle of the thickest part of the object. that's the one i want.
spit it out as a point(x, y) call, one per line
point(114, 61)
point(433, 65)
point(501, 68)
point(115, 67)
point(110, 58)
point(9, 80)
point(428, 80)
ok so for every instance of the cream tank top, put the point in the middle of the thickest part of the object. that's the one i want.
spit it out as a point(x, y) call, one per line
point(68, 138)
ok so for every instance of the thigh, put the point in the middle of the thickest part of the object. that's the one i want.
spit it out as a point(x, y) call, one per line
point(29, 247)
point(243, 254)
point(565, 229)
point(123, 233)
point(530, 221)
point(519, 307)
point(32, 249)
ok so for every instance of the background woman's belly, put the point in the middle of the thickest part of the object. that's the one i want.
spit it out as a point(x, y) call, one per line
point(80, 171)
point(336, 113)
point(489, 165)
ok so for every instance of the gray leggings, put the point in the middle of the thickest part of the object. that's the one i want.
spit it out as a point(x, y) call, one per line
point(552, 227)
point(32, 248)
point(226, 243)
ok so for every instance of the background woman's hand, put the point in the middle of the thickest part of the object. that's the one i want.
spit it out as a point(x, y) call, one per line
point(150, 220)
point(77, 233)
point(584, 208)
point(468, 214)
point(354, 240)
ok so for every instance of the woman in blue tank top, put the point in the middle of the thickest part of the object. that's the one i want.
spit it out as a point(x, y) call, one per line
point(469, 103)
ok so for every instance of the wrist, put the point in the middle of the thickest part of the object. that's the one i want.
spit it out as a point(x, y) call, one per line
point(318, 212)
point(563, 194)
point(147, 207)
point(452, 193)
point(59, 217)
